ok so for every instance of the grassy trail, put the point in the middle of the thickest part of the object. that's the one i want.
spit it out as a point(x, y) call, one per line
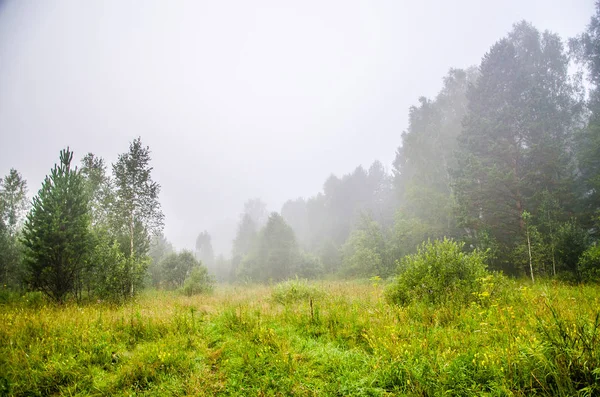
point(319, 339)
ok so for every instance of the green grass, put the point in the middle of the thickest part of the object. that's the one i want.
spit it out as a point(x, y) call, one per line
point(327, 338)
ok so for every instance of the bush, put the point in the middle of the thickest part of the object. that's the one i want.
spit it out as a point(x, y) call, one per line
point(176, 268)
point(589, 264)
point(364, 254)
point(308, 266)
point(198, 282)
point(571, 242)
point(292, 291)
point(439, 272)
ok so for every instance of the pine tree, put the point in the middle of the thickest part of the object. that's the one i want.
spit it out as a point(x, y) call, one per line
point(56, 232)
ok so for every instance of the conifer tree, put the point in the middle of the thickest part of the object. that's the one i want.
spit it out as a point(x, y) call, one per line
point(56, 232)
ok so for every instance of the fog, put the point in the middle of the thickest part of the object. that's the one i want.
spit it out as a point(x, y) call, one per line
point(235, 99)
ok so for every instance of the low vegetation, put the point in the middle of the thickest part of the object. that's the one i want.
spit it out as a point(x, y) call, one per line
point(537, 339)
point(440, 272)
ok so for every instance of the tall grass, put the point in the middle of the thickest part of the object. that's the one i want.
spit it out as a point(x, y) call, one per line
point(325, 338)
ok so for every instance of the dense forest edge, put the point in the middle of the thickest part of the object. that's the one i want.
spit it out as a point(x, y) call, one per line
point(472, 267)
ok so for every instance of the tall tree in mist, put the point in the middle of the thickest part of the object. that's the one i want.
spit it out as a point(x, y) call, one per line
point(423, 163)
point(295, 213)
point(98, 187)
point(586, 48)
point(13, 207)
point(365, 253)
point(56, 232)
point(13, 200)
point(275, 253)
point(517, 136)
point(257, 210)
point(323, 222)
point(160, 247)
point(137, 211)
point(245, 239)
point(382, 202)
point(204, 249)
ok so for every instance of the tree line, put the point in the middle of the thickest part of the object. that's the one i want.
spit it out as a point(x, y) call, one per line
point(86, 233)
point(505, 159)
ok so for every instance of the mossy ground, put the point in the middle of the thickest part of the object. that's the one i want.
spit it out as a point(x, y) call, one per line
point(346, 340)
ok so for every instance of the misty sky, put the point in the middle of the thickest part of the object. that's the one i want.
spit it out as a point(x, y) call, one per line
point(236, 99)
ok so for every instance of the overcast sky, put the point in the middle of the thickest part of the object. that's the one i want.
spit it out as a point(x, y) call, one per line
point(236, 99)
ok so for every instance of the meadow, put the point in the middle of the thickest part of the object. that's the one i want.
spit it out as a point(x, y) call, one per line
point(306, 339)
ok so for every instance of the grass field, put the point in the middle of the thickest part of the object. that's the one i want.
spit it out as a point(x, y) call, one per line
point(305, 339)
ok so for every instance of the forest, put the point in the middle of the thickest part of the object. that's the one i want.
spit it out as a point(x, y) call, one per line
point(470, 268)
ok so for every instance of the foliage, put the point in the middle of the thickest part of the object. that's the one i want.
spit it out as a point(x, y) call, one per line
point(198, 282)
point(424, 161)
point(56, 233)
point(274, 255)
point(160, 247)
point(330, 256)
point(13, 201)
point(136, 209)
point(407, 234)
point(539, 262)
point(571, 242)
point(13, 207)
point(105, 276)
point(440, 272)
point(589, 264)
point(365, 252)
point(293, 291)
point(222, 269)
point(98, 187)
point(326, 220)
point(244, 241)
point(176, 268)
point(12, 272)
point(516, 137)
point(307, 265)
point(204, 250)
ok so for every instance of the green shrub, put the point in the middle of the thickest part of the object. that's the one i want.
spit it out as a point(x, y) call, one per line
point(572, 241)
point(198, 282)
point(308, 266)
point(439, 272)
point(292, 291)
point(8, 296)
point(589, 264)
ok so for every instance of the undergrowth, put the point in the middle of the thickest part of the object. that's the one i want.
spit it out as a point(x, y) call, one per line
point(300, 338)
